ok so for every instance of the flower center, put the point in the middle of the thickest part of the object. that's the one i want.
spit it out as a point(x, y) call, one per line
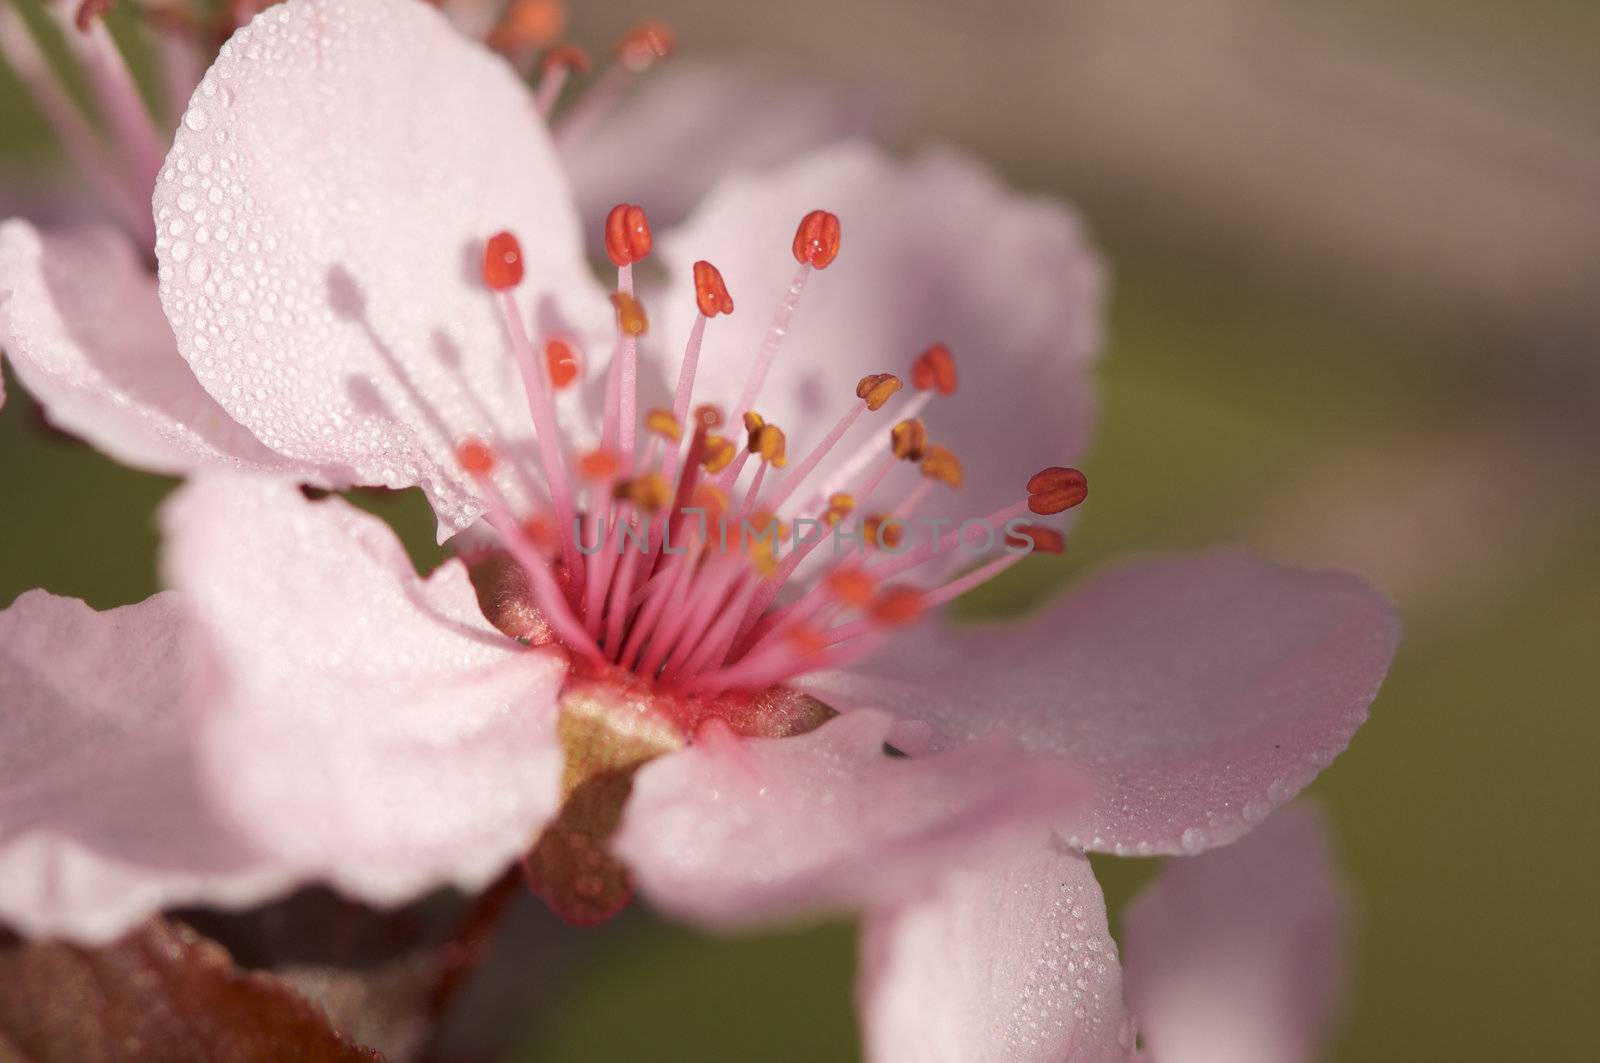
point(675, 553)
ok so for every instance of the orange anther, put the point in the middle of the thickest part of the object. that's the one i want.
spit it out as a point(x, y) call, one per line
point(805, 640)
point(541, 532)
point(528, 25)
point(934, 369)
point(568, 56)
point(883, 531)
point(1055, 489)
point(502, 262)
point(661, 421)
point(627, 234)
point(630, 314)
point(646, 44)
point(598, 466)
point(908, 439)
point(718, 453)
point(817, 239)
point(940, 463)
point(561, 362)
point(852, 586)
point(710, 293)
point(475, 457)
point(898, 606)
point(710, 498)
point(875, 389)
point(1038, 538)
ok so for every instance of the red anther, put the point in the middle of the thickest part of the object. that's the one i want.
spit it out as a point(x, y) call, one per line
point(934, 370)
point(568, 56)
point(475, 457)
point(630, 314)
point(627, 234)
point(502, 262)
point(1055, 489)
point(817, 239)
point(644, 45)
point(898, 606)
point(527, 25)
point(561, 362)
point(1038, 538)
point(89, 12)
point(710, 294)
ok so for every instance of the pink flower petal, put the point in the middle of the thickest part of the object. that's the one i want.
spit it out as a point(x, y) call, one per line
point(379, 731)
point(1007, 960)
point(933, 250)
point(81, 323)
point(1198, 693)
point(105, 816)
point(1237, 956)
point(689, 124)
point(734, 833)
point(321, 223)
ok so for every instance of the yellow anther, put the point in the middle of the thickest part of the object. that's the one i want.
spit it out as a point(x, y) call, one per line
point(649, 492)
point(662, 422)
point(875, 389)
point(718, 453)
point(840, 506)
point(908, 439)
point(771, 446)
point(941, 464)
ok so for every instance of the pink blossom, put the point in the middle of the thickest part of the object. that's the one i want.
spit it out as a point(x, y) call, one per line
point(1233, 956)
point(381, 279)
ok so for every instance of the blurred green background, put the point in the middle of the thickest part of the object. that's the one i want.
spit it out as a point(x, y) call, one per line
point(1357, 302)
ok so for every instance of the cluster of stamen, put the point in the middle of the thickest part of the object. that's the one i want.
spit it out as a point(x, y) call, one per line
point(664, 552)
point(671, 550)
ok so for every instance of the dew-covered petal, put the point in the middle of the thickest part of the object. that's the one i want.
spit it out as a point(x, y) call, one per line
point(1198, 693)
point(934, 249)
point(321, 223)
point(105, 816)
point(379, 730)
point(735, 832)
point(692, 123)
point(1238, 955)
point(82, 325)
point(1007, 960)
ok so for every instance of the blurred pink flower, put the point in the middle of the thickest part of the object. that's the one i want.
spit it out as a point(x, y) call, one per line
point(303, 707)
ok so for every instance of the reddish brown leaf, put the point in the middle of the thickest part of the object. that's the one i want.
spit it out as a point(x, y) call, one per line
point(161, 993)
